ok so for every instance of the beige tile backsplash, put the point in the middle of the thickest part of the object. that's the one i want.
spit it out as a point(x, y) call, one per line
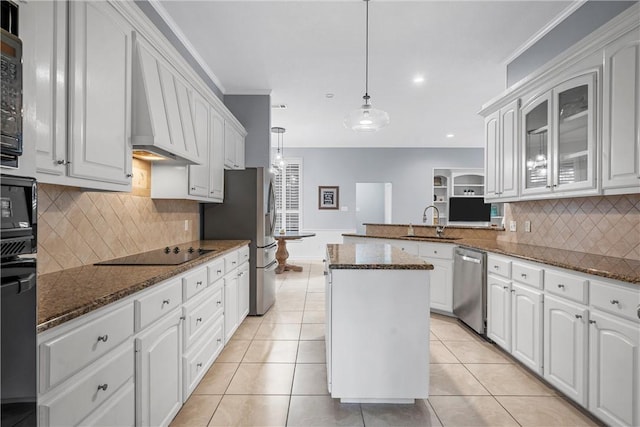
point(606, 225)
point(78, 227)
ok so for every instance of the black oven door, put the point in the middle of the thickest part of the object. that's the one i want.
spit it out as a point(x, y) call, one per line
point(18, 315)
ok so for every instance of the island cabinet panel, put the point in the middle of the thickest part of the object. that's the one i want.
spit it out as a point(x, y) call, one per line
point(379, 335)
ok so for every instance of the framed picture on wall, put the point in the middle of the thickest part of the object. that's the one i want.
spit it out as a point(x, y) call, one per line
point(328, 198)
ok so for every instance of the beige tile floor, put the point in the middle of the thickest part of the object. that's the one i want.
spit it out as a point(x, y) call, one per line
point(273, 373)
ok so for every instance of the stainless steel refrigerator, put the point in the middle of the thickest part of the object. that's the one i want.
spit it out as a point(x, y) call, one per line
point(248, 212)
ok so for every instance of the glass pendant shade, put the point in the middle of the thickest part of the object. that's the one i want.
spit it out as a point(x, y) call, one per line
point(366, 119)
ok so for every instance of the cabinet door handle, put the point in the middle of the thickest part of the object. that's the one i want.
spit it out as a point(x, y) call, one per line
point(218, 271)
point(513, 291)
point(129, 175)
point(166, 301)
point(561, 286)
point(103, 387)
point(63, 162)
point(219, 340)
point(198, 283)
point(182, 317)
point(199, 319)
point(578, 316)
point(505, 287)
point(103, 338)
point(219, 302)
point(593, 322)
point(615, 302)
point(523, 275)
point(199, 364)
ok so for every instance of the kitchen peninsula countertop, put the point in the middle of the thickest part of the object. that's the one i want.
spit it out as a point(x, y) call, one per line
point(67, 294)
point(623, 269)
point(372, 257)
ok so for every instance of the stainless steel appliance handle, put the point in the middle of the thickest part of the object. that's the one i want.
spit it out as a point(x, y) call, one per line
point(272, 266)
point(469, 259)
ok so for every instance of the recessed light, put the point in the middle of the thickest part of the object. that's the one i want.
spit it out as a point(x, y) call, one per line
point(418, 79)
point(450, 135)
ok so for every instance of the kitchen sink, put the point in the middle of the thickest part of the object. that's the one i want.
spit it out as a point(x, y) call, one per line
point(433, 238)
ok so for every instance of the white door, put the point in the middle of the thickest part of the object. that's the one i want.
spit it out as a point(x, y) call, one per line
point(243, 292)
point(159, 371)
point(565, 347)
point(614, 369)
point(230, 305)
point(441, 284)
point(536, 146)
point(499, 311)
point(620, 124)
point(526, 326)
point(508, 155)
point(491, 160)
point(216, 155)
point(99, 93)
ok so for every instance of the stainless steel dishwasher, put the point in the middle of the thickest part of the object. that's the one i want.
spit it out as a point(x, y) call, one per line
point(470, 288)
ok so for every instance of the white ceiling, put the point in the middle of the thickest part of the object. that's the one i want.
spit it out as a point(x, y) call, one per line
point(298, 51)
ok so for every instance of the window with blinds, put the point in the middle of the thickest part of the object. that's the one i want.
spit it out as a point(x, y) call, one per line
point(288, 188)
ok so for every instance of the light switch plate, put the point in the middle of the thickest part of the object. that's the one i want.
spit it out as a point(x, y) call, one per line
point(527, 226)
point(186, 225)
point(512, 226)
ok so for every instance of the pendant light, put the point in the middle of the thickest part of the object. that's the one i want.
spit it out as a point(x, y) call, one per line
point(279, 160)
point(366, 118)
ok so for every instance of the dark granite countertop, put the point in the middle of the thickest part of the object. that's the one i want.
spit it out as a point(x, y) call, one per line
point(67, 294)
point(373, 257)
point(623, 269)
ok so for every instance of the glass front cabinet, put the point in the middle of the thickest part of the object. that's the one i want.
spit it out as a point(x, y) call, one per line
point(559, 145)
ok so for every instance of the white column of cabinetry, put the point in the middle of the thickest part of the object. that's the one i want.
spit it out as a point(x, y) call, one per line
point(501, 157)
point(621, 109)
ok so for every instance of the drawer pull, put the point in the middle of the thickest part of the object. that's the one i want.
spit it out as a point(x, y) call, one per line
point(505, 287)
point(497, 267)
point(593, 322)
point(182, 317)
point(615, 302)
point(103, 387)
point(199, 319)
point(435, 252)
point(578, 316)
point(523, 275)
point(218, 271)
point(103, 338)
point(561, 286)
point(513, 291)
point(198, 283)
point(166, 301)
point(199, 364)
point(219, 340)
point(233, 262)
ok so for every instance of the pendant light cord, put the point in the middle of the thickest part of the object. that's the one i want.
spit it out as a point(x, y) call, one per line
point(366, 67)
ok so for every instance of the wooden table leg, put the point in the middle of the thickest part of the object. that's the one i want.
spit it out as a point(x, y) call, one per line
point(282, 255)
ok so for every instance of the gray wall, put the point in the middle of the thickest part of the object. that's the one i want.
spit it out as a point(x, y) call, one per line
point(157, 20)
point(410, 170)
point(586, 19)
point(254, 112)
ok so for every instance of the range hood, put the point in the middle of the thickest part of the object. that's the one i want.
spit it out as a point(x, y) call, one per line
point(162, 123)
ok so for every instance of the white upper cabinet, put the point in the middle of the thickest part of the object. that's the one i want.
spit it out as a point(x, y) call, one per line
point(216, 156)
point(43, 29)
point(199, 174)
point(233, 147)
point(558, 140)
point(621, 112)
point(501, 153)
point(99, 93)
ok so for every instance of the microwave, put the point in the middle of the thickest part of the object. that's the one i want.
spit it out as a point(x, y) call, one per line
point(11, 87)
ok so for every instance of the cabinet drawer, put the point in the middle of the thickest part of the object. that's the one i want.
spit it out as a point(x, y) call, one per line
point(196, 363)
point(155, 303)
point(436, 250)
point(408, 247)
point(498, 265)
point(567, 285)
point(120, 410)
point(65, 355)
point(243, 255)
point(201, 314)
point(193, 283)
point(619, 299)
point(231, 261)
point(527, 274)
point(215, 270)
point(75, 402)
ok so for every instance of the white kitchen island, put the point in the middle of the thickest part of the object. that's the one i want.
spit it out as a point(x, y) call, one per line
point(377, 324)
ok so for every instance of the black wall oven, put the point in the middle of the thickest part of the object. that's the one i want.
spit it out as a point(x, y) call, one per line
point(18, 303)
point(11, 86)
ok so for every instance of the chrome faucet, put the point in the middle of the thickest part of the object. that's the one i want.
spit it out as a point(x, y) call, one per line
point(439, 228)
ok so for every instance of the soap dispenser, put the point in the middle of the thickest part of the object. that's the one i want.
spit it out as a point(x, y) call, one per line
point(410, 230)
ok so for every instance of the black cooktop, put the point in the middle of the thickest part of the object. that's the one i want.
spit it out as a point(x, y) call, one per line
point(166, 256)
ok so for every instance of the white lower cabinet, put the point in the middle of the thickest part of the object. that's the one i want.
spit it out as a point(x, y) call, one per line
point(441, 282)
point(499, 311)
point(135, 362)
point(565, 347)
point(526, 326)
point(159, 371)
